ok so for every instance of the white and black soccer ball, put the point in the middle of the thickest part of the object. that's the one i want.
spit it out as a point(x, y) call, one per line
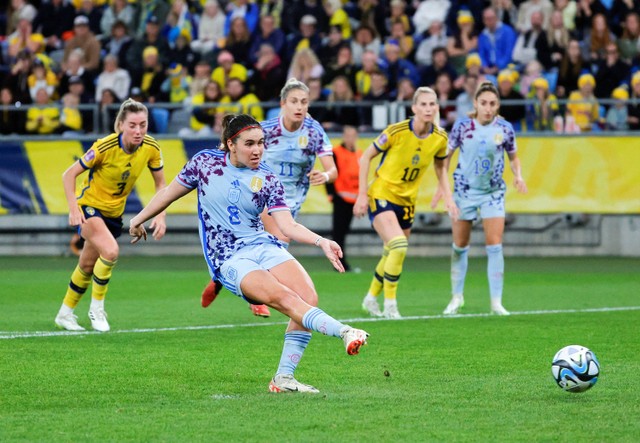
point(575, 368)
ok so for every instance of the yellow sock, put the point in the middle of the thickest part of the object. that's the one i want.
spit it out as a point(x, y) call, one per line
point(77, 287)
point(376, 283)
point(101, 275)
point(393, 266)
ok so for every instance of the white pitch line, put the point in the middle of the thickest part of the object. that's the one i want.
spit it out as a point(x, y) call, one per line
point(7, 335)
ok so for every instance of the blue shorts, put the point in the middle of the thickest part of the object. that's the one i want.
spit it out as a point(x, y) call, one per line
point(260, 257)
point(488, 205)
point(114, 224)
point(404, 214)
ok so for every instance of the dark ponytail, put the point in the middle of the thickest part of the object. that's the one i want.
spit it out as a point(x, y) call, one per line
point(233, 125)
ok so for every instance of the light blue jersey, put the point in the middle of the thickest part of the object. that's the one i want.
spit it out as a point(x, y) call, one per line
point(230, 201)
point(291, 155)
point(481, 158)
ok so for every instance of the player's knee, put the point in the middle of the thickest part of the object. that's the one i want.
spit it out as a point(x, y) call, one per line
point(398, 247)
point(111, 252)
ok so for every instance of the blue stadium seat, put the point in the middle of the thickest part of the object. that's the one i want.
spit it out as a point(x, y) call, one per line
point(161, 119)
point(552, 79)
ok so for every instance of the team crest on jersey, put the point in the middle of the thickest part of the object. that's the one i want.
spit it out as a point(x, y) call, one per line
point(256, 184)
point(90, 210)
point(125, 175)
point(90, 155)
point(498, 138)
point(303, 141)
point(415, 159)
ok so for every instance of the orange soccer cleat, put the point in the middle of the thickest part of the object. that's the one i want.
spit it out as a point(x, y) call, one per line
point(260, 310)
point(210, 293)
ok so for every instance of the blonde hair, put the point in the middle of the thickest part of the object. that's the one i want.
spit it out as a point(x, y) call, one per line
point(427, 90)
point(290, 85)
point(129, 106)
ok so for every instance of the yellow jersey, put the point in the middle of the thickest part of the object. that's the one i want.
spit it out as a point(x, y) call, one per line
point(113, 172)
point(405, 158)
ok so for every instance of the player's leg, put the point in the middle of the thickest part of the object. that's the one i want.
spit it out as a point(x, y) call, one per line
point(461, 230)
point(395, 238)
point(494, 230)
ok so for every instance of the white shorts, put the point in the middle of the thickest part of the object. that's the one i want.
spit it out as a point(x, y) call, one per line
point(261, 257)
point(488, 205)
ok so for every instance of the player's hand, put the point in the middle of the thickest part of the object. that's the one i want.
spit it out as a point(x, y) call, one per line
point(520, 185)
point(360, 206)
point(137, 232)
point(436, 198)
point(333, 251)
point(159, 227)
point(76, 217)
point(452, 209)
point(318, 177)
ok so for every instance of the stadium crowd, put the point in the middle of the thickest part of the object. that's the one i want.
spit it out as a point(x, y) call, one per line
point(561, 66)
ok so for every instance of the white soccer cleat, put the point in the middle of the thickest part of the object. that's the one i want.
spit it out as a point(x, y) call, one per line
point(287, 383)
point(370, 304)
point(99, 321)
point(498, 309)
point(353, 339)
point(68, 322)
point(457, 302)
point(391, 310)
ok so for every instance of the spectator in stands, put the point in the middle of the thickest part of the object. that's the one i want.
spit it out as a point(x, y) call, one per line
point(17, 79)
point(495, 44)
point(405, 42)
point(108, 110)
point(201, 76)
point(460, 44)
point(76, 86)
point(175, 87)
point(343, 66)
point(74, 68)
point(611, 72)
point(244, 9)
point(344, 190)
point(54, 21)
point(20, 9)
point(83, 39)
point(439, 66)
point(118, 42)
point(24, 38)
point(397, 68)
point(182, 53)
point(363, 76)
point(338, 17)
point(328, 53)
point(586, 13)
point(154, 11)
point(633, 108)
point(571, 68)
point(269, 72)
point(228, 68)
point(70, 117)
point(44, 117)
point(435, 37)
point(583, 106)
point(206, 118)
point(629, 42)
point(464, 101)
point(513, 113)
point(532, 44)
point(545, 107)
point(506, 11)
point(558, 40)
point(305, 65)
point(527, 9)
point(569, 9)
point(88, 9)
point(180, 22)
point(117, 11)
point(364, 39)
point(238, 42)
point(619, 11)
point(151, 78)
point(236, 100)
point(398, 12)
point(618, 114)
point(210, 29)
point(447, 95)
point(306, 38)
point(12, 118)
point(150, 37)
point(340, 108)
point(114, 78)
point(473, 66)
point(597, 38)
point(377, 92)
point(428, 11)
point(42, 77)
point(267, 33)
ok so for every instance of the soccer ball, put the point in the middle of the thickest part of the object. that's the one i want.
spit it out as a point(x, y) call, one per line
point(575, 368)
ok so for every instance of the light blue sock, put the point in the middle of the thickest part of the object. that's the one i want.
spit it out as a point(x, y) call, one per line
point(317, 320)
point(295, 342)
point(495, 271)
point(459, 263)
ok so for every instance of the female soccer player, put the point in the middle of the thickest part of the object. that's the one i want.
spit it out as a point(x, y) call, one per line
point(483, 139)
point(408, 148)
point(114, 163)
point(234, 186)
point(292, 142)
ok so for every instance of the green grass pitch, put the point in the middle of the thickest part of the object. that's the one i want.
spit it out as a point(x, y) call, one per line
point(171, 371)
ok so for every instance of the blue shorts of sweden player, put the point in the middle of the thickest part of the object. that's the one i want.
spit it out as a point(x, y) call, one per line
point(404, 214)
point(114, 224)
point(260, 257)
point(488, 205)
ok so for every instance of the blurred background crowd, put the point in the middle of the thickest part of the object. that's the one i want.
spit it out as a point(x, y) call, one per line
point(562, 66)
